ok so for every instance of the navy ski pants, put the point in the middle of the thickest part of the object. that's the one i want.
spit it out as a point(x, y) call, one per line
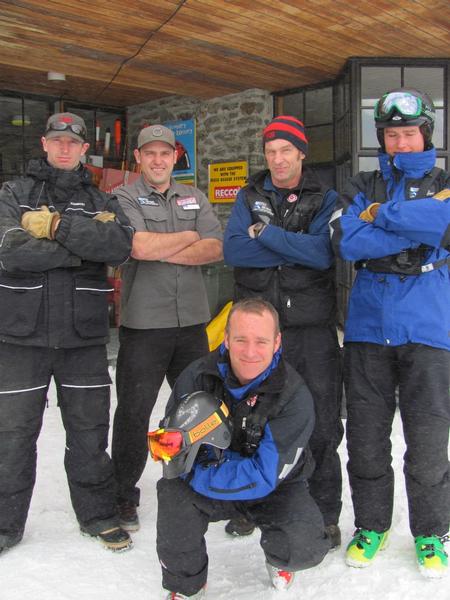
point(292, 530)
point(82, 384)
point(314, 353)
point(422, 374)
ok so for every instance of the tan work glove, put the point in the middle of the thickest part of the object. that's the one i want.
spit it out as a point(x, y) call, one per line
point(370, 212)
point(41, 223)
point(442, 195)
point(105, 216)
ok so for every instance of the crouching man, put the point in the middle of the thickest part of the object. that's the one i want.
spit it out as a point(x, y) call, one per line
point(237, 447)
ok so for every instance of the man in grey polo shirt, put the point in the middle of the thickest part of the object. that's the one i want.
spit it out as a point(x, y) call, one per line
point(164, 303)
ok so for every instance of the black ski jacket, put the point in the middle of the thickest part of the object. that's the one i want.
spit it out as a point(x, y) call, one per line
point(53, 293)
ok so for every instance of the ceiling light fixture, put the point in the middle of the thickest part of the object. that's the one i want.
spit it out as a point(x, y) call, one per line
point(55, 76)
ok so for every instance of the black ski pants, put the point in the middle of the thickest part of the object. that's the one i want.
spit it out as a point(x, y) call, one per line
point(145, 357)
point(292, 530)
point(82, 384)
point(314, 352)
point(422, 374)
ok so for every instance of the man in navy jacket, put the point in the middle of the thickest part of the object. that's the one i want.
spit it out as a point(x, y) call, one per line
point(262, 475)
point(395, 225)
point(278, 241)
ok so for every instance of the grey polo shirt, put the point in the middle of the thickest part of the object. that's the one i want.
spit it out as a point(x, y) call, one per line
point(158, 294)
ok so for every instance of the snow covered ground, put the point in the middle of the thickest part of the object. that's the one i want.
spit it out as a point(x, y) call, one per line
point(54, 562)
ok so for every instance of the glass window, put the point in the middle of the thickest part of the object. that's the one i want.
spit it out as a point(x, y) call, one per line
point(440, 162)
point(368, 163)
point(37, 112)
point(438, 135)
point(320, 140)
point(11, 139)
point(319, 106)
point(293, 105)
point(368, 131)
point(377, 80)
point(427, 79)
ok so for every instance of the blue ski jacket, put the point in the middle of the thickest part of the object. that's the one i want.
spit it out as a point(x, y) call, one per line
point(282, 453)
point(389, 308)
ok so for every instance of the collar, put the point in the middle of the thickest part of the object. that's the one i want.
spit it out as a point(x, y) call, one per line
point(42, 170)
point(414, 165)
point(232, 385)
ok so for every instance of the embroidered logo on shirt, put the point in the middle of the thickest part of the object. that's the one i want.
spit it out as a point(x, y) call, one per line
point(188, 203)
point(144, 201)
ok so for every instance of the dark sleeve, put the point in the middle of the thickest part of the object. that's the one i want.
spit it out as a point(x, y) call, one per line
point(239, 249)
point(19, 250)
point(312, 249)
point(95, 241)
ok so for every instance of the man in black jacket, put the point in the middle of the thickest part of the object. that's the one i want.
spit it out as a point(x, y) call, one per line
point(263, 473)
point(57, 235)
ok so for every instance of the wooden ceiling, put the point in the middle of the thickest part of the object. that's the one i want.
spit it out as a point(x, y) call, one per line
point(119, 53)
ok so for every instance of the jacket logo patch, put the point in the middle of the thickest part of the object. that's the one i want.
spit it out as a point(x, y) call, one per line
point(143, 201)
point(292, 198)
point(188, 203)
point(262, 207)
point(252, 400)
point(413, 192)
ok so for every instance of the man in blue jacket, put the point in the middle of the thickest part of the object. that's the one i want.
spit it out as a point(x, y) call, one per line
point(261, 476)
point(395, 225)
point(278, 241)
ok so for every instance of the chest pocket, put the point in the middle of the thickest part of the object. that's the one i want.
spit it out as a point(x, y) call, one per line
point(186, 217)
point(155, 218)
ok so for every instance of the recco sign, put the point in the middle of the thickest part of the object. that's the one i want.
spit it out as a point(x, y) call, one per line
point(228, 192)
point(225, 180)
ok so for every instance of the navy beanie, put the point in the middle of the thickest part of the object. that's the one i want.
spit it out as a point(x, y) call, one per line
point(287, 128)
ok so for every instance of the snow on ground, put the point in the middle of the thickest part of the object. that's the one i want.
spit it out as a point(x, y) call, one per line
point(54, 562)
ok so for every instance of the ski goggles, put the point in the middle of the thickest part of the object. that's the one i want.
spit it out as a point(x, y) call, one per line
point(75, 128)
point(165, 444)
point(407, 105)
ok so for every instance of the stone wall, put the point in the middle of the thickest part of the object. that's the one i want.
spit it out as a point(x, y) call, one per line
point(228, 128)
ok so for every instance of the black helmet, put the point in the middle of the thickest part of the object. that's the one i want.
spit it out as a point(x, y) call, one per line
point(198, 419)
point(401, 107)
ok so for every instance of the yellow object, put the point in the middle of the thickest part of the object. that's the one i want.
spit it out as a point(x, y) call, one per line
point(370, 212)
point(105, 216)
point(215, 330)
point(41, 223)
point(442, 195)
